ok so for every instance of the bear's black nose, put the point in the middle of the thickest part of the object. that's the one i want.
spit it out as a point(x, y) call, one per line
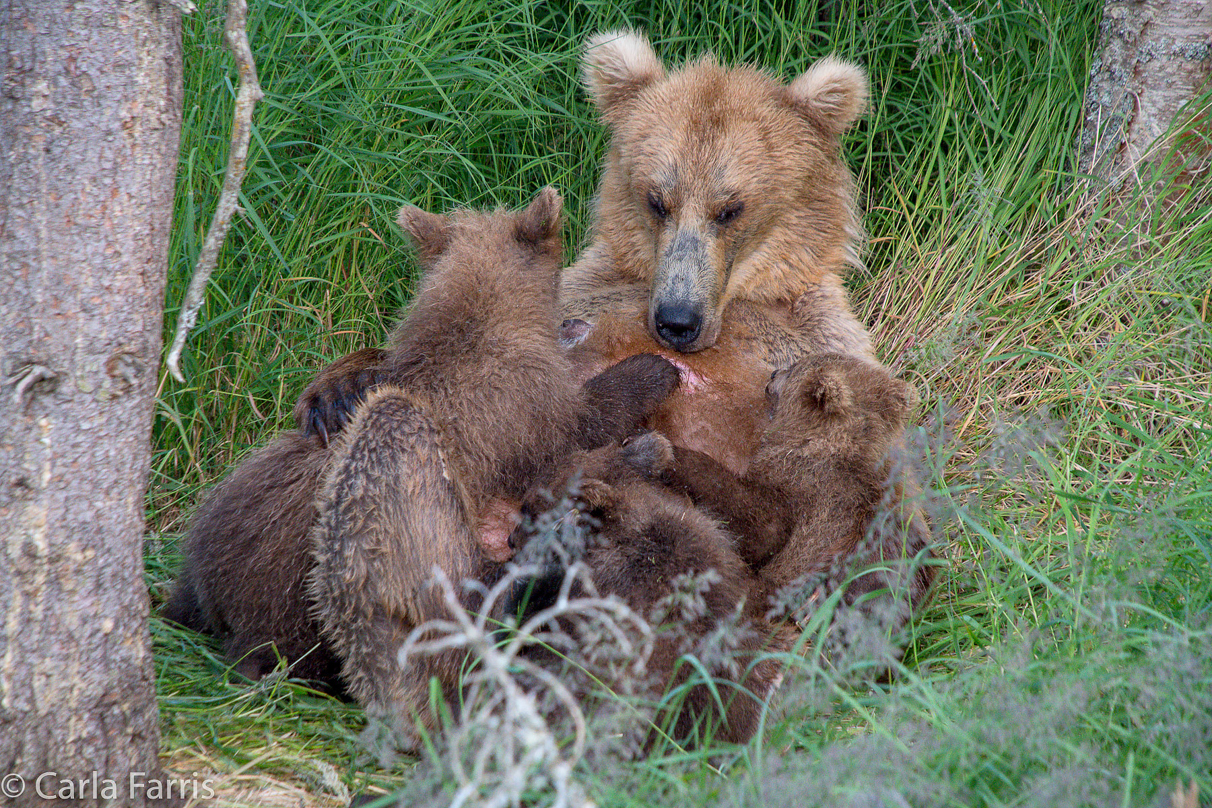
point(678, 324)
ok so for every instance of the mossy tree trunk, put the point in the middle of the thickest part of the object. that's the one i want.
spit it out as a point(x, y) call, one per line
point(1155, 56)
point(90, 110)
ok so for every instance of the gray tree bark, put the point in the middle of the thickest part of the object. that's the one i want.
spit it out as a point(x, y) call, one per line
point(1154, 57)
point(90, 112)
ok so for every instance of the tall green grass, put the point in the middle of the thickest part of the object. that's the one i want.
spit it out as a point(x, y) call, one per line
point(1062, 351)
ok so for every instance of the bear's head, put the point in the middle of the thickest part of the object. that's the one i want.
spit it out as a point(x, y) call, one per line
point(534, 228)
point(722, 183)
point(833, 404)
point(466, 253)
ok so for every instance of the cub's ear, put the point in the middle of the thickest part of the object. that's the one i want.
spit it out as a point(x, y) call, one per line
point(826, 390)
point(430, 232)
point(540, 222)
point(832, 93)
point(902, 399)
point(616, 66)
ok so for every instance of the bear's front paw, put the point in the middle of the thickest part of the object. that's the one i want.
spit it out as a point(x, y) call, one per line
point(653, 377)
point(331, 399)
point(650, 454)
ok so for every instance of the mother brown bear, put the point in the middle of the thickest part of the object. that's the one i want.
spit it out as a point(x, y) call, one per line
point(725, 219)
point(724, 222)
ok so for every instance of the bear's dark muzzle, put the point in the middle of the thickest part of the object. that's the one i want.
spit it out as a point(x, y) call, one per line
point(678, 323)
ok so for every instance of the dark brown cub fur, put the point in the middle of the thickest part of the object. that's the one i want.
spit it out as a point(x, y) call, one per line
point(481, 402)
point(247, 552)
point(642, 538)
point(828, 492)
point(243, 578)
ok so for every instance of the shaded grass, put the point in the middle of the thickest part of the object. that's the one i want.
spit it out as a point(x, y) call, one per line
point(1063, 357)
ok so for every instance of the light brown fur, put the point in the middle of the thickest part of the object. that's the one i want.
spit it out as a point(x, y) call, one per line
point(725, 221)
point(721, 185)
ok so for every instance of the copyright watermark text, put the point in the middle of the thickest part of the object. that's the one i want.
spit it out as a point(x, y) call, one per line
point(97, 786)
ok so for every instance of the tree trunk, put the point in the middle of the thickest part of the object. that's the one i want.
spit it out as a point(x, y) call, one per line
point(90, 109)
point(1154, 57)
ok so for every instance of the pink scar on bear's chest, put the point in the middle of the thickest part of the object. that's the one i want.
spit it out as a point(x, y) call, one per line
point(692, 382)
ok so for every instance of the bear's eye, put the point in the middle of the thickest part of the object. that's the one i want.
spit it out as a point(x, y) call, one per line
point(730, 212)
point(657, 205)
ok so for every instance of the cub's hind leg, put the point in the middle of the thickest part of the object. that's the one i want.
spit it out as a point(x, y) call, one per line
point(391, 510)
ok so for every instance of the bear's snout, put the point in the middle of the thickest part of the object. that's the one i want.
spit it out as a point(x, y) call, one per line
point(678, 323)
point(685, 292)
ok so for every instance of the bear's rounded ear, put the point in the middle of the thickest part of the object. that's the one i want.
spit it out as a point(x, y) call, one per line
point(903, 398)
point(832, 93)
point(826, 390)
point(540, 222)
point(430, 232)
point(616, 66)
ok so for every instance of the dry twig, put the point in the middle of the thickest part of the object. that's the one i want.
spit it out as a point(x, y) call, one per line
point(247, 96)
point(504, 693)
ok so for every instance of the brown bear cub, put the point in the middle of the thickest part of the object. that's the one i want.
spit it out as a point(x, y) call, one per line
point(482, 332)
point(640, 539)
point(828, 492)
point(481, 403)
point(246, 564)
